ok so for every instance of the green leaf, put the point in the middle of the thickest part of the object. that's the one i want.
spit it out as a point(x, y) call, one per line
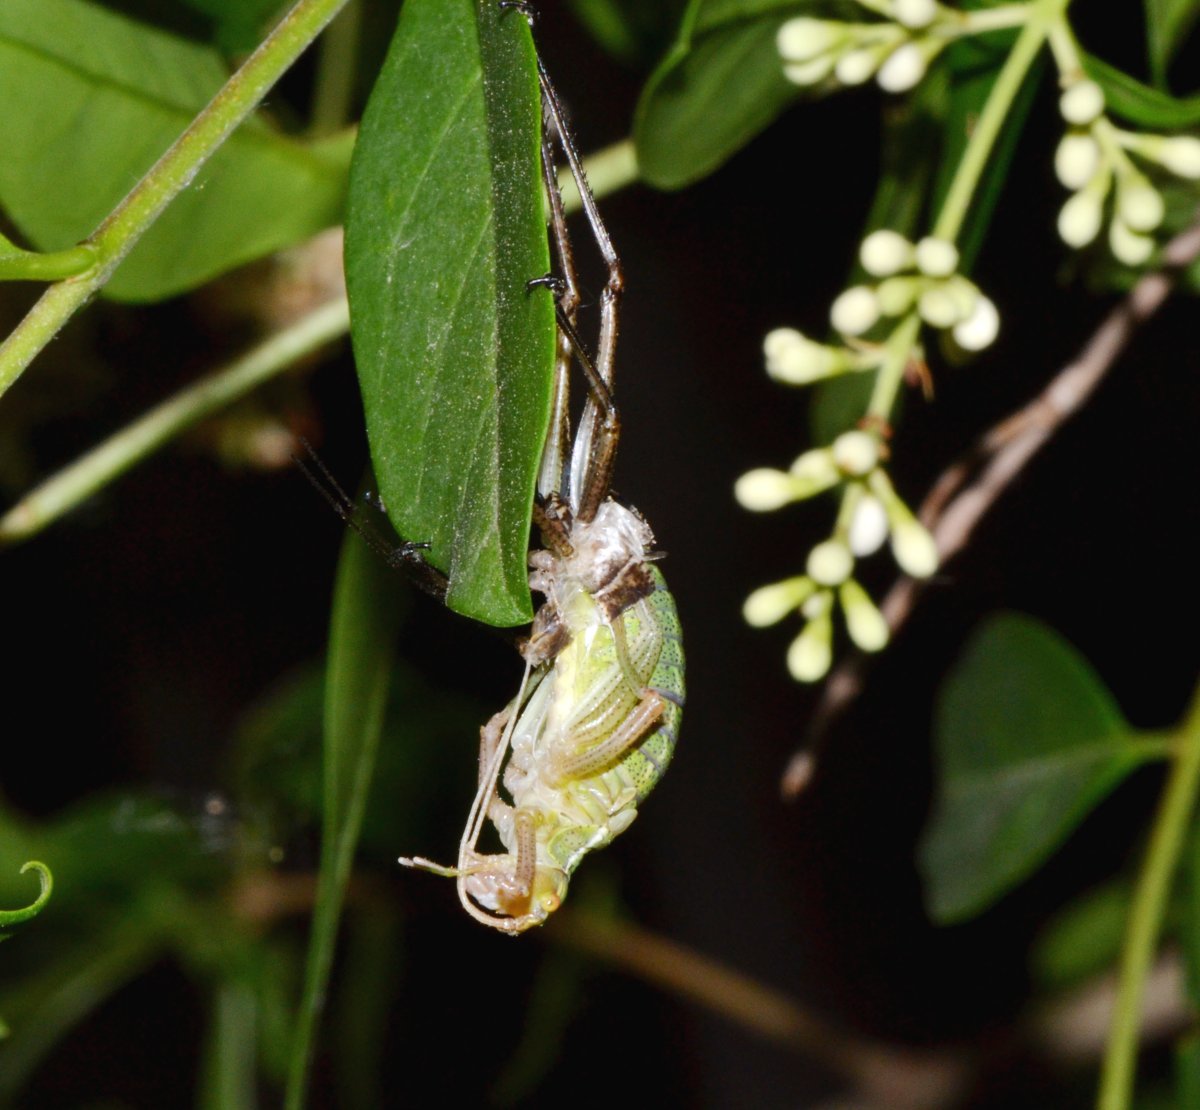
point(1168, 24)
point(1187, 1070)
point(1139, 104)
point(632, 31)
point(1028, 741)
point(366, 613)
point(719, 86)
point(1083, 939)
point(455, 358)
point(239, 25)
point(92, 98)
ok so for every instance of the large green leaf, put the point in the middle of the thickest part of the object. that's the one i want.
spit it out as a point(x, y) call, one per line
point(91, 98)
point(455, 358)
point(1028, 741)
point(719, 86)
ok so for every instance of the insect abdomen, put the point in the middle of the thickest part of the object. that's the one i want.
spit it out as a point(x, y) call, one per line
point(646, 764)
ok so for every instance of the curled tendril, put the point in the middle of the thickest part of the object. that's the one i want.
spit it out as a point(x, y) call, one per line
point(14, 917)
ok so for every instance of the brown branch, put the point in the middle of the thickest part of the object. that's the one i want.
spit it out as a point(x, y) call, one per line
point(970, 487)
point(883, 1074)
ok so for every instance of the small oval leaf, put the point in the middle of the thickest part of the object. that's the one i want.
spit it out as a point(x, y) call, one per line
point(1028, 741)
point(719, 86)
point(455, 358)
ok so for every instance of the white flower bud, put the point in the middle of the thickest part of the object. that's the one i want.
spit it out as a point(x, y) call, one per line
point(868, 526)
point(936, 257)
point(1079, 219)
point(864, 621)
point(1077, 159)
point(896, 294)
point(795, 359)
point(980, 328)
point(814, 472)
point(1127, 245)
point(1140, 204)
point(856, 66)
point(801, 40)
point(885, 252)
point(915, 14)
point(770, 604)
point(812, 651)
point(904, 68)
point(764, 489)
point(855, 310)
point(1180, 154)
point(913, 547)
point(856, 453)
point(939, 307)
point(830, 563)
point(810, 73)
point(1081, 103)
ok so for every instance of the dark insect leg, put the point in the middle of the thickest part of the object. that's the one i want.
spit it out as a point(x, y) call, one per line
point(599, 430)
point(405, 555)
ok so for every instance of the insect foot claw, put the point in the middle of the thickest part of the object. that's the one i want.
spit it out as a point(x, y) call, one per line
point(526, 9)
point(547, 281)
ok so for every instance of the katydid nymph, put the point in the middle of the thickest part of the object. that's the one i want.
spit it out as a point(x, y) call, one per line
point(564, 766)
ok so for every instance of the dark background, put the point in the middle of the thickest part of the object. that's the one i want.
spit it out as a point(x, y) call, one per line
point(145, 624)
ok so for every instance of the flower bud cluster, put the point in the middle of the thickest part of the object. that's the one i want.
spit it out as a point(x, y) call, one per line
point(872, 512)
point(1092, 160)
point(922, 276)
point(896, 51)
point(919, 277)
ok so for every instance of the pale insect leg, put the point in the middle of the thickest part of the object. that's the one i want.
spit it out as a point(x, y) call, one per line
point(584, 763)
point(467, 855)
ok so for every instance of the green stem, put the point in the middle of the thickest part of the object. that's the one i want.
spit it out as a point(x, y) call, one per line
point(74, 483)
point(116, 236)
point(15, 917)
point(1043, 17)
point(334, 86)
point(20, 265)
point(1147, 912)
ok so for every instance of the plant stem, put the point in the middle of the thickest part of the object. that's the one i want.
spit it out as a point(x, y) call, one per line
point(1147, 912)
point(126, 448)
point(1043, 16)
point(334, 84)
point(126, 224)
point(20, 265)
